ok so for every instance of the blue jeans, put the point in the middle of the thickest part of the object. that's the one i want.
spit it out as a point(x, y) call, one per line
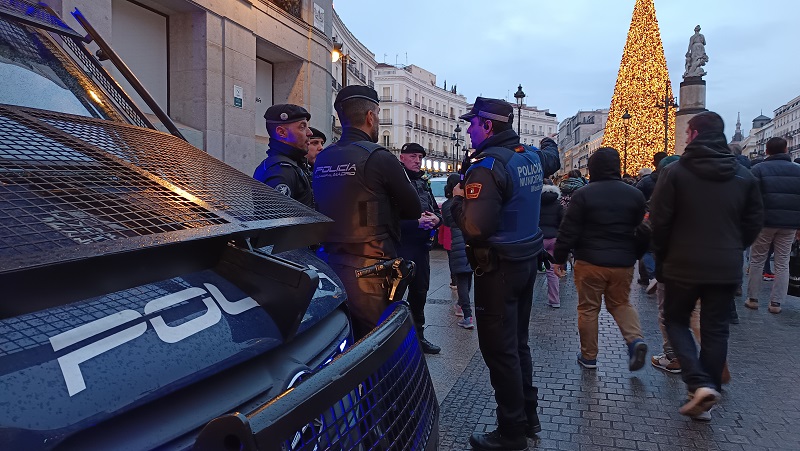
point(650, 264)
point(715, 304)
point(464, 285)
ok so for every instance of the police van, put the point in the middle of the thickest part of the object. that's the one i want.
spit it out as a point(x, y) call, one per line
point(152, 297)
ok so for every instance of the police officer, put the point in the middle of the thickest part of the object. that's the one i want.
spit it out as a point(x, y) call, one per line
point(285, 167)
point(315, 146)
point(363, 188)
point(497, 210)
point(417, 238)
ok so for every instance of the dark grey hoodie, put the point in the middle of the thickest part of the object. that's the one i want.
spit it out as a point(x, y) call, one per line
point(705, 210)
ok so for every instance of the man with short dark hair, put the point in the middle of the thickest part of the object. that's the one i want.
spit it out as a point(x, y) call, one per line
point(364, 189)
point(599, 226)
point(316, 142)
point(705, 210)
point(497, 210)
point(779, 180)
point(416, 238)
point(285, 167)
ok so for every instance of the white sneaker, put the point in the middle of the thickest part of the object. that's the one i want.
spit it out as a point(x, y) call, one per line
point(651, 287)
point(701, 401)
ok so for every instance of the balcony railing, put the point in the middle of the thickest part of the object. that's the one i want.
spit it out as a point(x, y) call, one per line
point(371, 84)
point(417, 127)
point(452, 116)
point(408, 100)
point(409, 123)
point(385, 121)
point(416, 104)
point(424, 128)
point(424, 107)
point(438, 112)
point(386, 98)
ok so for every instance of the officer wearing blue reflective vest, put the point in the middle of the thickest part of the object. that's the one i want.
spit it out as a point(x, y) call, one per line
point(497, 209)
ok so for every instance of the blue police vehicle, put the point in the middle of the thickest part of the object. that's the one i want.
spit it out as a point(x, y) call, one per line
point(152, 297)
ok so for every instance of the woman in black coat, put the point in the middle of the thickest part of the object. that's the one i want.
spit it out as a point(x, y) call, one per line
point(550, 217)
point(459, 265)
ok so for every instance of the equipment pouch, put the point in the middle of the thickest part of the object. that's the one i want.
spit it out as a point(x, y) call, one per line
point(482, 259)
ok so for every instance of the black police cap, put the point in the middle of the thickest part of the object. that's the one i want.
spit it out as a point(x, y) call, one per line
point(318, 134)
point(492, 109)
point(356, 92)
point(286, 113)
point(413, 148)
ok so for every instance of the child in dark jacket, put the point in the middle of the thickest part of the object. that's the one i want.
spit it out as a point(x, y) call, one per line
point(459, 265)
point(550, 217)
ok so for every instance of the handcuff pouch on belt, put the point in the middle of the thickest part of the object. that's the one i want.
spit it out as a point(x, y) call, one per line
point(482, 259)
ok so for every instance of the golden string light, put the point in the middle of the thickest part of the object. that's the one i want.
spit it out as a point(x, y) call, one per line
point(640, 86)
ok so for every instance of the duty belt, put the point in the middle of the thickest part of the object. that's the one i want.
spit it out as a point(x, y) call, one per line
point(400, 272)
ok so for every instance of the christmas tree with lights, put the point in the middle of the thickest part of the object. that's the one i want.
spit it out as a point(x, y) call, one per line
point(641, 89)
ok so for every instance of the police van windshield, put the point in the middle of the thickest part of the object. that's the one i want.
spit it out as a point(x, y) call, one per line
point(34, 77)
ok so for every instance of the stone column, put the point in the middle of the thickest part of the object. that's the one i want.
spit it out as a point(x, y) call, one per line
point(692, 102)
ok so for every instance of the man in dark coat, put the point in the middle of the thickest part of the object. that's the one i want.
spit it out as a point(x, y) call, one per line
point(599, 226)
point(417, 238)
point(363, 188)
point(648, 183)
point(779, 180)
point(706, 209)
point(285, 167)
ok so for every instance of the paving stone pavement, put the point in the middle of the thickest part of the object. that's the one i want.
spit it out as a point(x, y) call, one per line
point(611, 408)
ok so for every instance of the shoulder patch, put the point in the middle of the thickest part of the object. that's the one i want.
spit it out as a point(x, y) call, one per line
point(473, 190)
point(284, 189)
point(486, 162)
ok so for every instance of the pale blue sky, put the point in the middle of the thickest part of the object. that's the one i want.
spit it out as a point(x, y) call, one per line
point(566, 53)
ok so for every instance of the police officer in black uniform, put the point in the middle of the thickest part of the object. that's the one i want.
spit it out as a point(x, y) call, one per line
point(417, 238)
point(315, 145)
point(364, 189)
point(285, 167)
point(497, 210)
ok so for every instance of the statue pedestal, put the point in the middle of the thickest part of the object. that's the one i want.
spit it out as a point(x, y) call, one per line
point(692, 102)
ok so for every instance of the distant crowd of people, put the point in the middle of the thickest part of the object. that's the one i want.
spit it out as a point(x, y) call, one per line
point(689, 223)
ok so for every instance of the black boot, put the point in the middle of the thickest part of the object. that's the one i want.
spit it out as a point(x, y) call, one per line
point(427, 346)
point(495, 441)
point(533, 427)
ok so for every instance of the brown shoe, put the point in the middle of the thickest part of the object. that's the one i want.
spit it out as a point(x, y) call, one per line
point(726, 375)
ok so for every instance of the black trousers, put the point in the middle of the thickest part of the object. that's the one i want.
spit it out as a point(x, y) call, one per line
point(367, 297)
point(680, 298)
point(503, 301)
point(418, 288)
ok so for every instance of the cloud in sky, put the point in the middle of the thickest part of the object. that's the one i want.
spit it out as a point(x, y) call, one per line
point(566, 54)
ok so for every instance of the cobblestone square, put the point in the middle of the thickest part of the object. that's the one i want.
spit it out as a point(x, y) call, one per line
point(611, 408)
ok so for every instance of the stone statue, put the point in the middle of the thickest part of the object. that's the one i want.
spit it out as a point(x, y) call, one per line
point(696, 56)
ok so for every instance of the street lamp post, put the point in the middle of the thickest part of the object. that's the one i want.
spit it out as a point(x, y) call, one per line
point(625, 119)
point(520, 96)
point(456, 138)
point(669, 102)
point(338, 54)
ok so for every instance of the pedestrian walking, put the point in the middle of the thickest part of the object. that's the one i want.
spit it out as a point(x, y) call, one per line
point(550, 216)
point(457, 258)
point(705, 210)
point(647, 265)
point(285, 167)
point(416, 238)
point(498, 212)
point(364, 189)
point(570, 184)
point(779, 179)
point(600, 227)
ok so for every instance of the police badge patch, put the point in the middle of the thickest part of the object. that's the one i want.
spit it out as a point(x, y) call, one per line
point(284, 189)
point(473, 190)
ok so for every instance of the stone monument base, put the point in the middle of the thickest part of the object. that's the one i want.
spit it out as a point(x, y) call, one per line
point(692, 102)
